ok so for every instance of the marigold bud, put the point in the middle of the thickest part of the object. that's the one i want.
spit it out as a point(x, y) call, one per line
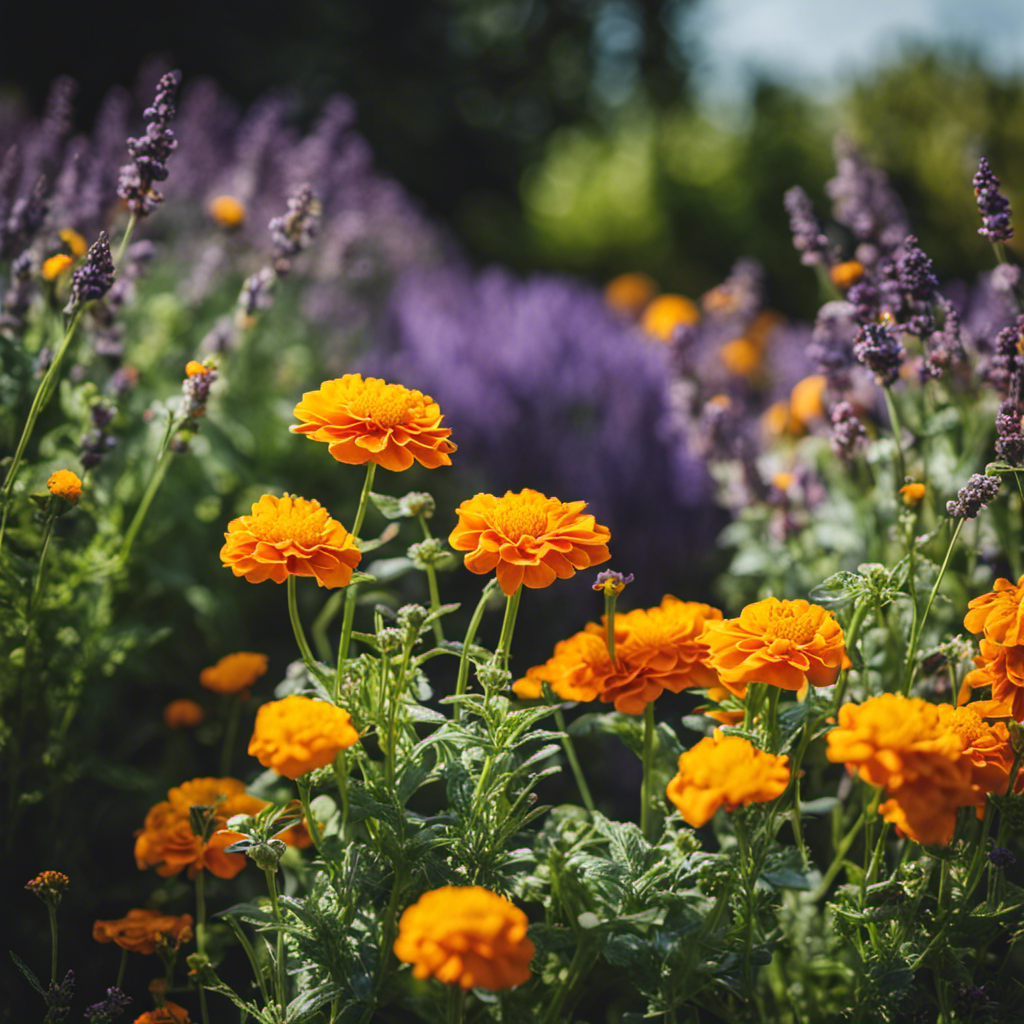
point(65, 485)
point(227, 211)
point(55, 266)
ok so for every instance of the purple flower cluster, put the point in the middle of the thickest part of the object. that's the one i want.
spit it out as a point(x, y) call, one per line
point(150, 151)
point(993, 206)
point(808, 238)
point(973, 497)
point(94, 278)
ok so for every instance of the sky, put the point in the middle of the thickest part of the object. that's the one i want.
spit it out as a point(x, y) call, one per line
point(821, 43)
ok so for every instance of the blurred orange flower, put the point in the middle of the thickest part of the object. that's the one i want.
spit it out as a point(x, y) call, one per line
point(372, 421)
point(725, 771)
point(467, 936)
point(183, 714)
point(295, 735)
point(169, 1013)
point(234, 673)
point(668, 312)
point(289, 536)
point(141, 931)
point(65, 485)
point(656, 649)
point(783, 643)
point(53, 267)
point(528, 538)
point(227, 211)
point(629, 293)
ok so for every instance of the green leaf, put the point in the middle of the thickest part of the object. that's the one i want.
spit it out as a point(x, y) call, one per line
point(30, 975)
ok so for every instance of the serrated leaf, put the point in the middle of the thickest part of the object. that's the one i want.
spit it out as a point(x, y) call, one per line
point(30, 975)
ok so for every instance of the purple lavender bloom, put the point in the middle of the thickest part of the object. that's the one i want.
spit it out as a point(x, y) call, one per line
point(808, 238)
point(916, 272)
point(150, 151)
point(295, 230)
point(94, 278)
point(993, 206)
point(18, 296)
point(1004, 364)
point(1010, 432)
point(848, 433)
point(878, 348)
point(58, 999)
point(109, 1009)
point(973, 497)
point(25, 218)
point(943, 348)
point(831, 347)
point(98, 441)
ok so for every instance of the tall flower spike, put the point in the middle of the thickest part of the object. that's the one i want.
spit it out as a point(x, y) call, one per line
point(973, 497)
point(150, 151)
point(94, 278)
point(993, 206)
point(879, 350)
point(293, 231)
point(808, 238)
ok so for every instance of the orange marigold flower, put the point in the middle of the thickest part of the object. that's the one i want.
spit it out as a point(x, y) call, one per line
point(1002, 668)
point(227, 211)
point(903, 744)
point(656, 649)
point(999, 614)
point(183, 714)
point(169, 1013)
point(528, 538)
point(74, 241)
point(289, 536)
point(295, 735)
point(912, 493)
point(371, 421)
point(725, 771)
point(986, 748)
point(141, 931)
point(668, 312)
point(777, 419)
point(234, 673)
point(65, 485)
point(53, 267)
point(194, 368)
point(467, 936)
point(805, 400)
point(629, 293)
point(846, 275)
point(741, 357)
point(784, 643)
point(49, 886)
point(166, 841)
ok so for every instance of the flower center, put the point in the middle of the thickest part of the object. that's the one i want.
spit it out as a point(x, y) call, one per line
point(300, 524)
point(785, 625)
point(386, 406)
point(516, 519)
point(967, 724)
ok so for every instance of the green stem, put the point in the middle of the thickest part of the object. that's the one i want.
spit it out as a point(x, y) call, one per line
point(147, 499)
point(300, 637)
point(230, 732)
point(610, 600)
point(364, 499)
point(574, 764)
point(897, 433)
point(397, 690)
point(773, 718)
point(125, 238)
point(121, 968)
point(351, 594)
point(508, 625)
point(435, 597)
point(282, 991)
point(322, 621)
point(646, 797)
point(387, 938)
point(37, 589)
point(38, 403)
point(201, 938)
point(837, 861)
point(910, 665)
point(311, 824)
point(474, 624)
point(341, 778)
point(52, 911)
point(456, 1004)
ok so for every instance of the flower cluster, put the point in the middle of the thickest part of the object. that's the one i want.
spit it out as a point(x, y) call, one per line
point(295, 735)
point(150, 151)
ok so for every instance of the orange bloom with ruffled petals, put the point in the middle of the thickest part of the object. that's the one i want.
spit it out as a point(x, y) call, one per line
point(234, 673)
point(1002, 668)
point(65, 485)
point(295, 735)
point(141, 931)
point(528, 538)
point(725, 771)
point(169, 1013)
point(372, 421)
point(656, 649)
point(466, 936)
point(986, 748)
point(289, 536)
point(999, 614)
point(783, 643)
point(183, 714)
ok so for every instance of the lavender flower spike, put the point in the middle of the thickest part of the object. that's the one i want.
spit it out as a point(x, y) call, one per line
point(93, 279)
point(973, 497)
point(150, 151)
point(879, 350)
point(993, 206)
point(293, 231)
point(808, 238)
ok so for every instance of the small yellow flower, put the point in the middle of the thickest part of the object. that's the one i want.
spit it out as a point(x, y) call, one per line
point(55, 266)
point(846, 275)
point(193, 368)
point(227, 211)
point(74, 241)
point(912, 494)
point(668, 312)
point(65, 485)
point(49, 886)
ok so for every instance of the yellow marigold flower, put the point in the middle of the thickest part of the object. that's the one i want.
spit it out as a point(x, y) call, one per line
point(53, 267)
point(528, 538)
point(467, 936)
point(183, 714)
point(913, 493)
point(667, 313)
point(656, 649)
point(141, 931)
point(741, 357)
point(295, 735)
point(725, 771)
point(234, 673)
point(986, 749)
point(805, 400)
point(289, 536)
point(846, 275)
point(903, 744)
point(166, 841)
point(227, 211)
point(775, 420)
point(371, 421)
point(1002, 668)
point(169, 1013)
point(65, 485)
point(49, 886)
point(784, 643)
point(74, 241)
point(999, 614)
point(629, 293)
point(193, 368)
